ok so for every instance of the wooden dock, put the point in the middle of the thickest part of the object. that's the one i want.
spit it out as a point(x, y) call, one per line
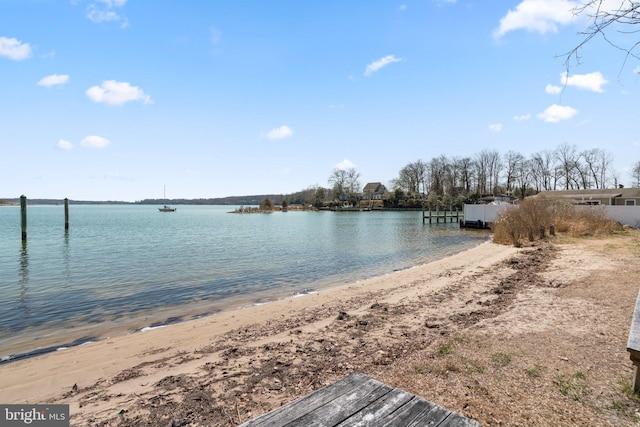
point(442, 215)
point(359, 400)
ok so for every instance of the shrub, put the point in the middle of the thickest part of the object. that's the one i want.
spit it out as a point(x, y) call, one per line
point(527, 220)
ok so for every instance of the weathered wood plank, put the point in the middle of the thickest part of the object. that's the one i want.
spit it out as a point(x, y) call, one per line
point(456, 420)
point(359, 400)
point(417, 412)
point(633, 342)
point(344, 406)
point(633, 345)
point(379, 410)
point(298, 408)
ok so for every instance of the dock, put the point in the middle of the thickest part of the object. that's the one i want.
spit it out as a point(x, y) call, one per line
point(451, 215)
point(359, 400)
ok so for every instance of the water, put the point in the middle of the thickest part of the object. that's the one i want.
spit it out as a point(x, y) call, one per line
point(123, 267)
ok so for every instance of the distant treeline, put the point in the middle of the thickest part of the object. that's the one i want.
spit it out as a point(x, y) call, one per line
point(231, 200)
point(16, 201)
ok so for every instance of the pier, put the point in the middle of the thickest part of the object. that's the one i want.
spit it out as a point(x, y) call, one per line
point(451, 215)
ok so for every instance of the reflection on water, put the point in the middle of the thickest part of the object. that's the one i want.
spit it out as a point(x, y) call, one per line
point(23, 306)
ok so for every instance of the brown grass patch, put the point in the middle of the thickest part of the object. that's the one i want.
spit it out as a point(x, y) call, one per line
point(535, 218)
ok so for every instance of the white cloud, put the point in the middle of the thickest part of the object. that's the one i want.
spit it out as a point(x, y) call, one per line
point(522, 118)
point(14, 49)
point(553, 90)
point(345, 164)
point(592, 81)
point(102, 11)
point(280, 133)
point(380, 63)
point(54, 79)
point(117, 93)
point(64, 145)
point(112, 3)
point(495, 127)
point(93, 141)
point(542, 16)
point(555, 113)
point(637, 70)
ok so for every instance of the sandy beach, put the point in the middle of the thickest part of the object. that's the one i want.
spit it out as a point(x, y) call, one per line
point(506, 336)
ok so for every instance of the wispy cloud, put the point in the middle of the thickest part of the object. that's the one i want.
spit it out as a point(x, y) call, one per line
point(542, 16)
point(552, 89)
point(345, 164)
point(556, 113)
point(522, 117)
point(14, 49)
point(380, 63)
point(280, 133)
point(64, 145)
point(53, 80)
point(93, 141)
point(497, 127)
point(112, 92)
point(105, 11)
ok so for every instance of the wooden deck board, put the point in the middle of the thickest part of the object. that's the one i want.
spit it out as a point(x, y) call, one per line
point(359, 400)
point(634, 334)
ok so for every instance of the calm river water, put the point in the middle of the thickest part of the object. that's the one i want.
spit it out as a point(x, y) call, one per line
point(120, 268)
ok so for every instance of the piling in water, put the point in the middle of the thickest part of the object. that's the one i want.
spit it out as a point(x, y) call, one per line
point(23, 216)
point(66, 214)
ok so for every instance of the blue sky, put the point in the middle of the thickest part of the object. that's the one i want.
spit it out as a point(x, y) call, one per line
point(113, 99)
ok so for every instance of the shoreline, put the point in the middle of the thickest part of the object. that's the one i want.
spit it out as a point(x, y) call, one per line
point(88, 362)
point(176, 315)
point(464, 332)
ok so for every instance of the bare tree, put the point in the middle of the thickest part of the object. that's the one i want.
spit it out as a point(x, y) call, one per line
point(602, 18)
point(345, 183)
point(513, 162)
point(437, 172)
point(337, 181)
point(566, 157)
point(596, 164)
point(635, 174)
point(466, 167)
point(411, 177)
point(541, 167)
point(488, 165)
point(523, 176)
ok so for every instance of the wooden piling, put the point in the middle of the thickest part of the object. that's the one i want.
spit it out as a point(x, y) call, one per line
point(66, 214)
point(23, 216)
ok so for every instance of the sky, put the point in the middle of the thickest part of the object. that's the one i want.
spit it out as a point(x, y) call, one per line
point(118, 99)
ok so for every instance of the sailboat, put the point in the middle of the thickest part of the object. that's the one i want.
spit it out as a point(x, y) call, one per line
point(166, 208)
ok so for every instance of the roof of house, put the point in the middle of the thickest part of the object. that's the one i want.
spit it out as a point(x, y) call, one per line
point(606, 193)
point(373, 186)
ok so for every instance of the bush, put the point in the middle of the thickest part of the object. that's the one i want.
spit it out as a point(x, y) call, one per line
point(531, 220)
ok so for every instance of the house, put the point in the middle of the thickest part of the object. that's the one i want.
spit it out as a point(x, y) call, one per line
point(497, 198)
point(374, 191)
point(610, 197)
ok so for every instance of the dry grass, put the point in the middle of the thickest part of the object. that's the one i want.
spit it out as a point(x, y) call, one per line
point(535, 217)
